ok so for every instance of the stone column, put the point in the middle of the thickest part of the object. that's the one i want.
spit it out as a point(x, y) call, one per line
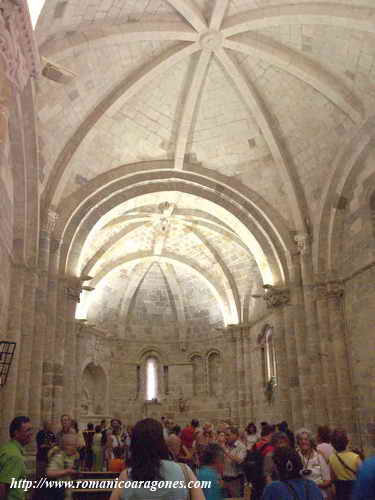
point(73, 291)
point(40, 319)
point(13, 335)
point(293, 375)
point(242, 397)
point(27, 338)
point(59, 350)
point(276, 298)
point(318, 410)
point(236, 365)
point(343, 401)
point(248, 388)
point(304, 369)
point(49, 340)
point(328, 374)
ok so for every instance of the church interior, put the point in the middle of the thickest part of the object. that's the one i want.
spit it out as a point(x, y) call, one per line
point(187, 212)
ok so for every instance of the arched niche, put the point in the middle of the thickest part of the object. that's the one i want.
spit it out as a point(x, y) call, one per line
point(214, 369)
point(198, 374)
point(94, 389)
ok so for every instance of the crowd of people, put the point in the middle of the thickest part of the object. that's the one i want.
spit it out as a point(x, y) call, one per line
point(268, 463)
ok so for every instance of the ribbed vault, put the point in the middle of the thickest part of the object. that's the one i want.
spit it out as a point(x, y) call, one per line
point(196, 137)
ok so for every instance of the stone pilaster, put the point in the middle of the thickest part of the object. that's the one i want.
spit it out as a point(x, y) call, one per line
point(40, 318)
point(304, 369)
point(343, 400)
point(59, 351)
point(328, 374)
point(73, 291)
point(235, 335)
point(49, 340)
point(293, 375)
point(318, 410)
point(249, 413)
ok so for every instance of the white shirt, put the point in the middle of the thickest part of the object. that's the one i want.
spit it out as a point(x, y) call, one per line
point(231, 468)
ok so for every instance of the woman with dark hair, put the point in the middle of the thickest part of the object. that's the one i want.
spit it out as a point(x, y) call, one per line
point(150, 465)
point(251, 435)
point(211, 469)
point(291, 485)
point(344, 465)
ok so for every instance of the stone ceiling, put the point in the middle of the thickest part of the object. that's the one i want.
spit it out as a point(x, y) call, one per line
point(263, 92)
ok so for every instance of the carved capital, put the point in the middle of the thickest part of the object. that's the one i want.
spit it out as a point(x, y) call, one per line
point(276, 297)
point(17, 43)
point(49, 222)
point(73, 293)
point(303, 241)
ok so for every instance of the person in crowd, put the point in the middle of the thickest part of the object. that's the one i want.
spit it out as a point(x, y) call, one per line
point(314, 465)
point(176, 430)
point(203, 439)
point(174, 444)
point(250, 436)
point(88, 436)
point(189, 434)
point(212, 469)
point(97, 450)
point(64, 465)
point(66, 428)
point(270, 472)
point(344, 465)
point(234, 455)
point(221, 438)
point(292, 484)
point(80, 442)
point(178, 452)
point(283, 427)
point(117, 464)
point(113, 439)
point(150, 463)
point(264, 444)
point(364, 488)
point(45, 441)
point(324, 442)
point(12, 461)
point(223, 427)
point(256, 457)
point(103, 425)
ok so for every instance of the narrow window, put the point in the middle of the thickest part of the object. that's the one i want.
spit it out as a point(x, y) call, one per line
point(151, 379)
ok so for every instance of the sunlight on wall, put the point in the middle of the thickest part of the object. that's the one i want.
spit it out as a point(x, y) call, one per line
point(35, 7)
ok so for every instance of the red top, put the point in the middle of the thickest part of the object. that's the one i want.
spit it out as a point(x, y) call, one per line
point(267, 449)
point(188, 436)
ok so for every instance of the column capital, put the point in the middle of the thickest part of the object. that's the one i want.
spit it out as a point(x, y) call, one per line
point(303, 242)
point(73, 290)
point(275, 296)
point(49, 221)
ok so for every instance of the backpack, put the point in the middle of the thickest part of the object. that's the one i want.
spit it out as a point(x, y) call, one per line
point(253, 465)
